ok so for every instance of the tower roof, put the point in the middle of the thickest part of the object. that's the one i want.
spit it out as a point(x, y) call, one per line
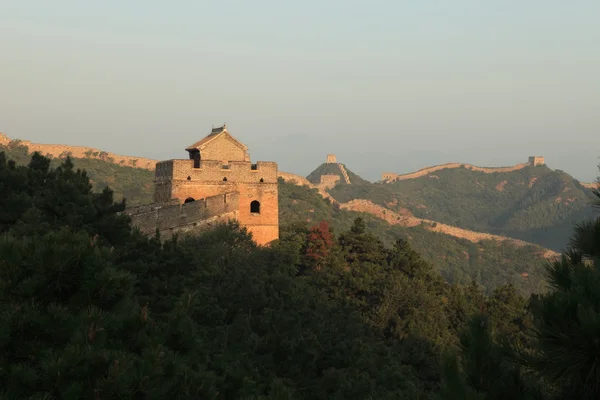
point(215, 133)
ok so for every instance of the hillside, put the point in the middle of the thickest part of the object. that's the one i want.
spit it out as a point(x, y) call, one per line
point(334, 169)
point(61, 151)
point(459, 255)
point(488, 261)
point(134, 183)
point(534, 204)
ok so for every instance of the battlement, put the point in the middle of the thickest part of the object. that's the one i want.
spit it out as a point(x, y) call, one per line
point(169, 216)
point(216, 171)
point(219, 164)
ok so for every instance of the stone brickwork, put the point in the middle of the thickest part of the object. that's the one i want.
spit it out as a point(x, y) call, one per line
point(218, 165)
point(331, 159)
point(224, 149)
point(171, 217)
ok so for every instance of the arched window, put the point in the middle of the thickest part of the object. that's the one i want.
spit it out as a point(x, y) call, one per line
point(261, 180)
point(225, 179)
point(189, 178)
point(189, 200)
point(255, 207)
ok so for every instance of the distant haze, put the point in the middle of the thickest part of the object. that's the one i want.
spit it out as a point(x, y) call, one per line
point(385, 85)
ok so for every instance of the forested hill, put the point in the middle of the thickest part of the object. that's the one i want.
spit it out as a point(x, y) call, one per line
point(534, 204)
point(490, 263)
point(133, 182)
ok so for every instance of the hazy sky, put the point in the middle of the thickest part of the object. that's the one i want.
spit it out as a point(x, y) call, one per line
point(385, 85)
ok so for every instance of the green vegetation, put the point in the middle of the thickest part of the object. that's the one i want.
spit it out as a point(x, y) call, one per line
point(134, 184)
point(488, 263)
point(534, 204)
point(89, 308)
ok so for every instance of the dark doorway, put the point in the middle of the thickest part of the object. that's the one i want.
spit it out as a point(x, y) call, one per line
point(189, 200)
point(255, 207)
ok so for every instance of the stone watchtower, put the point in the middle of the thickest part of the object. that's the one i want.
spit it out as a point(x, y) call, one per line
point(331, 159)
point(220, 165)
point(534, 161)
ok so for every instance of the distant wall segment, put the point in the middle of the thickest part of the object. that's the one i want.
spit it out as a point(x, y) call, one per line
point(61, 151)
point(391, 177)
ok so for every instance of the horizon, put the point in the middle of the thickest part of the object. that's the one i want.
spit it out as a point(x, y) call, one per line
point(387, 87)
point(378, 178)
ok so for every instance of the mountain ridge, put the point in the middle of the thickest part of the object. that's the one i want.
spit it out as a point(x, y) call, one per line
point(83, 152)
point(61, 151)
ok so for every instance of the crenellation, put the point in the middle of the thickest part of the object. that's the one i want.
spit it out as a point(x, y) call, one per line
point(219, 165)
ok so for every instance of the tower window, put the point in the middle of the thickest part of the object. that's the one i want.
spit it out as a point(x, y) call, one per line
point(195, 155)
point(225, 179)
point(261, 180)
point(255, 207)
point(253, 167)
point(189, 178)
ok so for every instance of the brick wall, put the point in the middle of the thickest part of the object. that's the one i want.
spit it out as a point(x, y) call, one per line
point(223, 148)
point(215, 171)
point(178, 179)
point(171, 215)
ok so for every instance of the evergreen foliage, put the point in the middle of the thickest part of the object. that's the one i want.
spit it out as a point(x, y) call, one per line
point(89, 308)
point(534, 204)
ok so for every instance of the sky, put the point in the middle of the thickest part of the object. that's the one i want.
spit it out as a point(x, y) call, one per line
point(385, 85)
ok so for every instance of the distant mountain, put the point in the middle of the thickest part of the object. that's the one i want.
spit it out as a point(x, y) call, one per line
point(334, 169)
point(534, 204)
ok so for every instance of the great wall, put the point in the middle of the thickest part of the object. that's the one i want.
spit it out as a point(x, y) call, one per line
point(60, 151)
point(189, 220)
point(172, 217)
point(393, 218)
point(391, 177)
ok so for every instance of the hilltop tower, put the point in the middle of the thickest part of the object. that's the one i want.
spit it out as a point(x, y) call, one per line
point(534, 161)
point(219, 164)
point(331, 159)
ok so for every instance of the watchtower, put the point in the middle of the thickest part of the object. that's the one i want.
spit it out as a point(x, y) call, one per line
point(534, 161)
point(331, 159)
point(217, 165)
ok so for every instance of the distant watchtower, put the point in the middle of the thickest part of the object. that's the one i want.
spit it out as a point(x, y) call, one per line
point(331, 159)
point(534, 161)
